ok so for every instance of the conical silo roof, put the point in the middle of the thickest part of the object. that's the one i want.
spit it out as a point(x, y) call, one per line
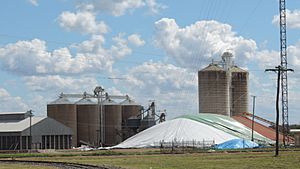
point(109, 102)
point(237, 69)
point(85, 101)
point(61, 100)
point(212, 67)
point(129, 102)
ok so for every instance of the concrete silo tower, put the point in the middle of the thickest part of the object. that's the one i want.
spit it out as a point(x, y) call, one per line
point(223, 88)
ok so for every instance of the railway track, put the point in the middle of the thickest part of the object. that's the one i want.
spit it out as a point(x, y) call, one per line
point(63, 165)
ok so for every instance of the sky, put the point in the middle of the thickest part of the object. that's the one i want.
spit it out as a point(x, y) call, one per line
point(148, 49)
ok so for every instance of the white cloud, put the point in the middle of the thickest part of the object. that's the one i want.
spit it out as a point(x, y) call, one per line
point(195, 45)
point(33, 2)
point(57, 84)
point(173, 88)
point(120, 7)
point(136, 40)
point(120, 49)
point(292, 19)
point(32, 57)
point(11, 103)
point(83, 22)
point(154, 7)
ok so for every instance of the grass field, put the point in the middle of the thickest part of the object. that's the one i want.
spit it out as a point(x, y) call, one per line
point(138, 160)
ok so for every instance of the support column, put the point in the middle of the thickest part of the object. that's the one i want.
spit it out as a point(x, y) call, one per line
point(50, 142)
point(64, 147)
point(26, 139)
point(54, 141)
point(21, 145)
point(58, 138)
point(68, 142)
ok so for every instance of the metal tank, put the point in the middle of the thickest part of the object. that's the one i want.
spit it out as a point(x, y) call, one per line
point(88, 122)
point(130, 109)
point(112, 122)
point(64, 111)
point(213, 90)
point(239, 87)
point(130, 118)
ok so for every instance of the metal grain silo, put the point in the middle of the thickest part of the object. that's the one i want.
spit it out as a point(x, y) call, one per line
point(239, 87)
point(130, 109)
point(88, 122)
point(112, 122)
point(213, 90)
point(64, 111)
point(130, 118)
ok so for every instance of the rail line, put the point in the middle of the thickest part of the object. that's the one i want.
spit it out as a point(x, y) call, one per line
point(63, 165)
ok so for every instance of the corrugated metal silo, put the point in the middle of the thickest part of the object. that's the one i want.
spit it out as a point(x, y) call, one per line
point(130, 109)
point(239, 86)
point(88, 120)
point(213, 90)
point(130, 120)
point(112, 122)
point(64, 111)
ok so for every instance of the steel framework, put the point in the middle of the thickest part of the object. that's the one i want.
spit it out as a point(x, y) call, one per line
point(284, 79)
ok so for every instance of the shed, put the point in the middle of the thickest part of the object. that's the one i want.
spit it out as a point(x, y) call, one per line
point(41, 133)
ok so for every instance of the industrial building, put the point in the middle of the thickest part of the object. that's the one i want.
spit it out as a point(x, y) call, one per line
point(22, 131)
point(223, 88)
point(100, 119)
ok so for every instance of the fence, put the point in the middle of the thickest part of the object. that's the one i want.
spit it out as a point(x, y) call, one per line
point(184, 146)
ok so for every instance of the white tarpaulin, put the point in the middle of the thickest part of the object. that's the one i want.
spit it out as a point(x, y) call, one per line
point(180, 129)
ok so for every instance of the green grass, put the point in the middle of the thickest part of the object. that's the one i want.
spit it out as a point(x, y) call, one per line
point(135, 159)
point(238, 160)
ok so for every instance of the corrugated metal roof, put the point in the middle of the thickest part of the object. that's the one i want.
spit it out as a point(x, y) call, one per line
point(85, 101)
point(237, 69)
point(19, 125)
point(212, 67)
point(61, 100)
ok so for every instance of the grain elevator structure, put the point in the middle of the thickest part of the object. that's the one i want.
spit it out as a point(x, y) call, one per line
point(100, 119)
point(223, 88)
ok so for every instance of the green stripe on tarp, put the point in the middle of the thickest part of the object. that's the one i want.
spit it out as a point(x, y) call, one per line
point(228, 125)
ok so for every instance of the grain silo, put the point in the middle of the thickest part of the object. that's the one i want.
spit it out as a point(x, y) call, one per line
point(239, 89)
point(64, 112)
point(130, 118)
point(112, 122)
point(213, 90)
point(88, 122)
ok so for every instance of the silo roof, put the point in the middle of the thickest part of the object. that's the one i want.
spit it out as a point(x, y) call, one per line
point(237, 69)
point(61, 100)
point(129, 102)
point(212, 67)
point(109, 102)
point(85, 101)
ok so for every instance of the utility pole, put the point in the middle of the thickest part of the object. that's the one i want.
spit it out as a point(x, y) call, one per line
point(30, 124)
point(283, 64)
point(278, 70)
point(252, 138)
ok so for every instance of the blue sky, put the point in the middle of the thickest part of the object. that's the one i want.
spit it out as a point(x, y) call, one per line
point(155, 48)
